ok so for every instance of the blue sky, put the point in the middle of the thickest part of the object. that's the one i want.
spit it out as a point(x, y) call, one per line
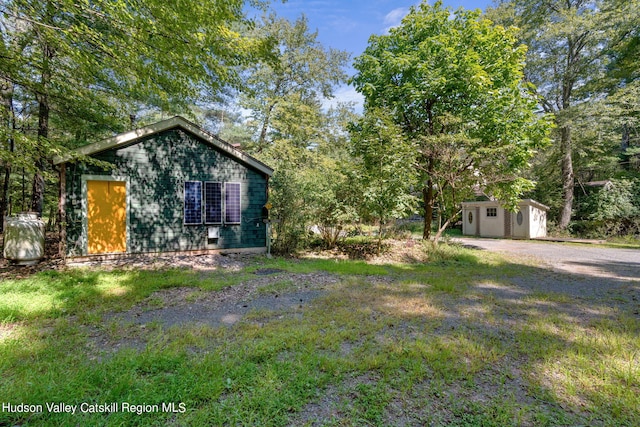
point(347, 24)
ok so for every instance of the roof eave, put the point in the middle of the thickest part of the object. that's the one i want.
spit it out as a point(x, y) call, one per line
point(174, 122)
point(523, 202)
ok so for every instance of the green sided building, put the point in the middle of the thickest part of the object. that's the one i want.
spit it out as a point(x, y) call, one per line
point(170, 187)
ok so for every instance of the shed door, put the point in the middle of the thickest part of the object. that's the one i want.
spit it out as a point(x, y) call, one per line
point(106, 217)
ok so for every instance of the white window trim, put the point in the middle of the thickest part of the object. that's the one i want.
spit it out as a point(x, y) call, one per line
point(492, 216)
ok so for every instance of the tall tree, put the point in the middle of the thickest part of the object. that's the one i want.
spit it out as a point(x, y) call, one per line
point(81, 63)
point(381, 155)
point(293, 132)
point(302, 71)
point(454, 85)
point(7, 128)
point(623, 82)
point(566, 59)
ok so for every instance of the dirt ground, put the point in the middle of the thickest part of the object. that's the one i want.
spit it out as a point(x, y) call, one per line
point(579, 272)
point(592, 272)
point(588, 276)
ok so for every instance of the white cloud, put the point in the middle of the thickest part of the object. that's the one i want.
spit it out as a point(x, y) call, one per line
point(393, 18)
point(341, 23)
point(345, 94)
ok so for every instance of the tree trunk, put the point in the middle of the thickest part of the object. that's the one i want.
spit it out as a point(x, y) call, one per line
point(23, 202)
point(8, 121)
point(4, 202)
point(443, 227)
point(568, 181)
point(566, 149)
point(62, 214)
point(265, 125)
point(427, 197)
point(37, 189)
point(379, 236)
point(624, 145)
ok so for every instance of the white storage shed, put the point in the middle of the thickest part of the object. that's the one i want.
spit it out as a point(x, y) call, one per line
point(490, 219)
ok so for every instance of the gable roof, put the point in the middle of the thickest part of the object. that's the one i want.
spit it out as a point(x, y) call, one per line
point(497, 203)
point(175, 122)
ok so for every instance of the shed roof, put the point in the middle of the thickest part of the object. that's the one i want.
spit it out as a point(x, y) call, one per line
point(491, 203)
point(130, 137)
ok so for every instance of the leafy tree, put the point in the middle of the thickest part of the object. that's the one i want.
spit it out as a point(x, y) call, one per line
point(569, 45)
point(613, 209)
point(623, 81)
point(81, 67)
point(311, 185)
point(329, 198)
point(615, 201)
point(294, 134)
point(301, 73)
point(381, 155)
point(454, 86)
point(331, 186)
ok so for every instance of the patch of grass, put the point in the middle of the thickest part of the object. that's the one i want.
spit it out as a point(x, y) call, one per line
point(623, 244)
point(498, 414)
point(596, 368)
point(75, 292)
point(369, 403)
point(311, 265)
point(279, 286)
point(431, 343)
point(219, 280)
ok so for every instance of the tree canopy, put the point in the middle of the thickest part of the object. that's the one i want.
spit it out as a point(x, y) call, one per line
point(295, 134)
point(454, 86)
point(71, 69)
point(300, 74)
point(579, 53)
point(456, 103)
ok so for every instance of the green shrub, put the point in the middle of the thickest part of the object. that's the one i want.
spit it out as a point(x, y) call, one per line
point(362, 247)
point(404, 229)
point(598, 229)
point(613, 202)
point(613, 210)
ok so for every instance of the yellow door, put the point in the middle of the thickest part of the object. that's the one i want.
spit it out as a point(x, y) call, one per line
point(106, 217)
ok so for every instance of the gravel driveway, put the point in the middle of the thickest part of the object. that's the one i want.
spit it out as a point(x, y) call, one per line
point(621, 264)
point(577, 270)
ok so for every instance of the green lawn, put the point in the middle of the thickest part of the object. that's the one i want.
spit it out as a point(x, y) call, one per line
point(451, 342)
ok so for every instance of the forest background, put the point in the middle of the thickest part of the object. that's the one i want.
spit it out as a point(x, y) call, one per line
point(528, 99)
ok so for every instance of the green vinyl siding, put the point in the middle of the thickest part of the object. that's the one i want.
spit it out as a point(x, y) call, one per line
point(156, 168)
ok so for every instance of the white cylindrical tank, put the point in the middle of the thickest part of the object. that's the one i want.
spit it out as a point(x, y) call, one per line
point(24, 239)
